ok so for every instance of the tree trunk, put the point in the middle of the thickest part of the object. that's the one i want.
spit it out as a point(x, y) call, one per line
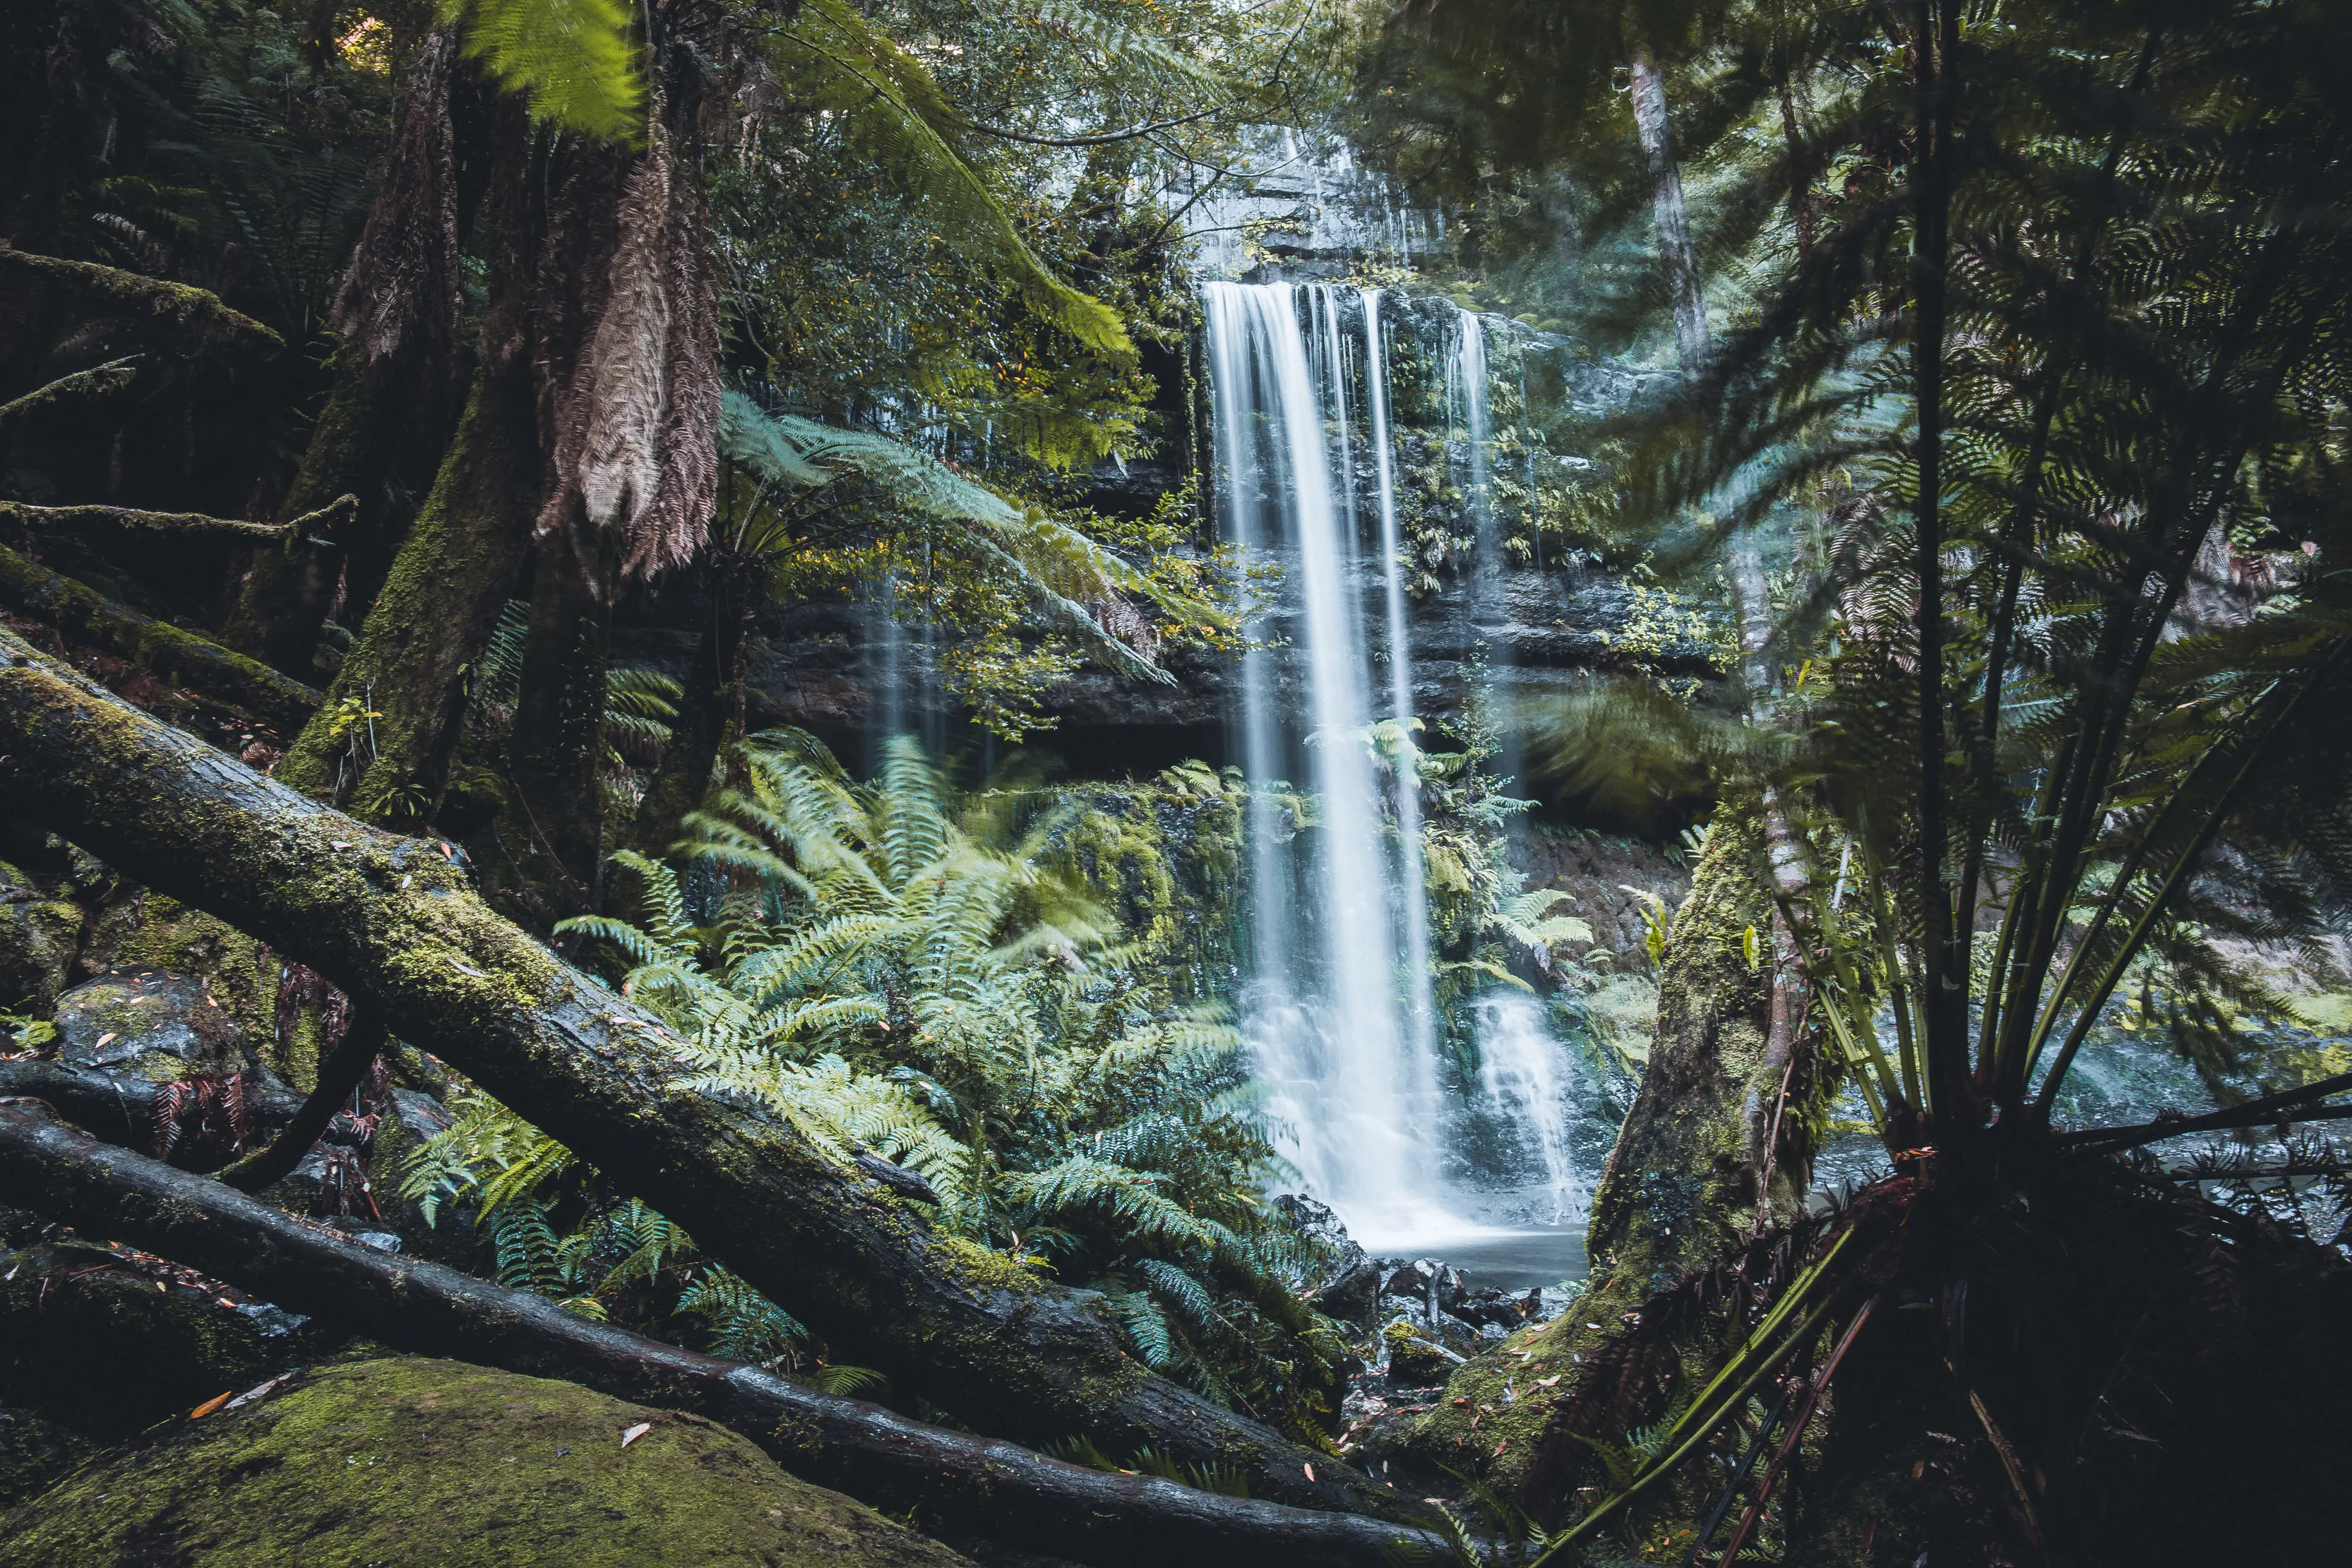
point(552, 830)
point(393, 923)
point(704, 717)
point(955, 1483)
point(381, 743)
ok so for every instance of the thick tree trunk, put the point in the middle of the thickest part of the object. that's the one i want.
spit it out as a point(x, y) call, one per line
point(955, 1483)
point(184, 658)
point(551, 832)
point(381, 743)
point(393, 922)
point(377, 438)
point(704, 717)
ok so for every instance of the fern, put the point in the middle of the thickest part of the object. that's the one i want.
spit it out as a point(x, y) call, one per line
point(574, 61)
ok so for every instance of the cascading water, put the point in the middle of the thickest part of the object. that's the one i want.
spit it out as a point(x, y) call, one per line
point(1422, 1017)
point(1522, 1079)
point(1357, 1092)
point(1339, 1012)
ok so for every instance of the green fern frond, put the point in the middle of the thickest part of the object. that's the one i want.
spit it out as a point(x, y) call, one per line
point(575, 62)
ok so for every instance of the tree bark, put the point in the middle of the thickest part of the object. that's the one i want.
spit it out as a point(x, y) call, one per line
point(704, 715)
point(184, 658)
point(956, 1483)
point(553, 828)
point(393, 923)
point(409, 668)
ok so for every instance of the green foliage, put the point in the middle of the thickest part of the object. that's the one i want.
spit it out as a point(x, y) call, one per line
point(574, 61)
point(895, 984)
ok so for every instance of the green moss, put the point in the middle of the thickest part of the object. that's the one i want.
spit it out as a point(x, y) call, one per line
point(238, 972)
point(381, 739)
point(196, 314)
point(40, 930)
point(182, 657)
point(425, 1463)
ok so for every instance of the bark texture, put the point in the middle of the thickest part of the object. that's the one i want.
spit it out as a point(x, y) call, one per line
point(957, 1483)
point(393, 922)
point(184, 658)
point(408, 670)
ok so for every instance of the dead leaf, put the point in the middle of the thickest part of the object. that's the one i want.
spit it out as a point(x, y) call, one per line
point(103, 1039)
point(258, 1391)
point(1500, 1446)
point(1309, 1470)
point(1547, 1382)
point(209, 1406)
point(636, 1432)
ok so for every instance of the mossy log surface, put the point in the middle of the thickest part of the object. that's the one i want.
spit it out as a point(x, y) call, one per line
point(392, 921)
point(196, 317)
point(120, 1109)
point(966, 1484)
point(433, 1464)
point(181, 524)
point(184, 658)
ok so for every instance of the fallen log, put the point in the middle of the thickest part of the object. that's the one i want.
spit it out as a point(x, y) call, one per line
point(327, 519)
point(956, 1483)
point(121, 1108)
point(184, 658)
point(393, 923)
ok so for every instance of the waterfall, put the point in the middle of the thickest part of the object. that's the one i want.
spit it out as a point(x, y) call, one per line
point(1356, 1090)
point(1521, 1078)
point(1346, 1041)
point(1422, 1017)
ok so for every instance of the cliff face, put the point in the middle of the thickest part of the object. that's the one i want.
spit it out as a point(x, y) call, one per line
point(1503, 545)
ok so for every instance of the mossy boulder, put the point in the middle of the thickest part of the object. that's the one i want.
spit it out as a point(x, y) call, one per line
point(435, 1464)
point(40, 930)
point(34, 1452)
point(110, 1342)
point(150, 1024)
point(135, 929)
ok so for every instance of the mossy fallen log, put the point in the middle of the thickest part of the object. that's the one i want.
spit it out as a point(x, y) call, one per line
point(120, 1109)
point(184, 658)
point(394, 922)
point(182, 525)
point(193, 317)
point(955, 1482)
point(99, 381)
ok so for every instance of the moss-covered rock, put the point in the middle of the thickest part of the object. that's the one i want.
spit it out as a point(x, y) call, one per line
point(138, 929)
point(34, 1452)
point(150, 1024)
point(435, 1464)
point(95, 1339)
point(40, 930)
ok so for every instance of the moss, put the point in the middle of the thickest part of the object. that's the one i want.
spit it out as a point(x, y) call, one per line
point(34, 1452)
point(238, 972)
point(424, 1463)
point(381, 739)
point(40, 930)
point(182, 657)
point(196, 314)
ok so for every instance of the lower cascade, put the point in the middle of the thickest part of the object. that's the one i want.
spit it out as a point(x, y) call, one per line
point(1412, 1149)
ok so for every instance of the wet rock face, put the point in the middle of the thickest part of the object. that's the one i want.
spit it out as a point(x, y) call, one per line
point(432, 1462)
point(1349, 1284)
point(150, 1024)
